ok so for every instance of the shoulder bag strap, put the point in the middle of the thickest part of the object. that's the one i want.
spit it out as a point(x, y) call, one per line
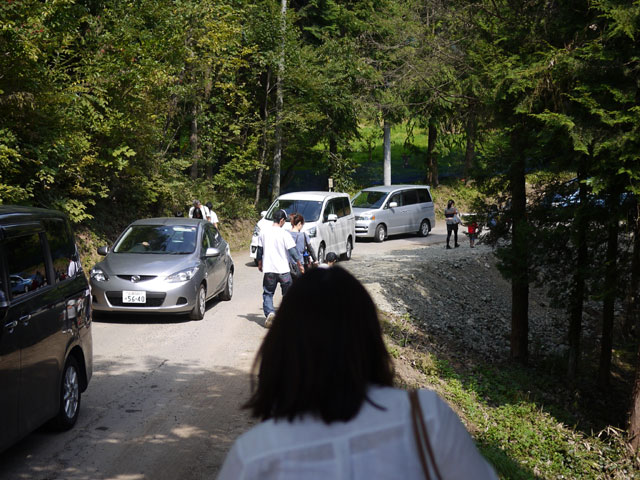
point(421, 436)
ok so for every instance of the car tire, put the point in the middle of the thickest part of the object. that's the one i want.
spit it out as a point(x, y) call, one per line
point(347, 254)
point(425, 228)
point(381, 233)
point(227, 293)
point(201, 302)
point(70, 396)
point(321, 253)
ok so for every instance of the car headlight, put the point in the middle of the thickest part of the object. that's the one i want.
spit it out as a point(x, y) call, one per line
point(183, 275)
point(312, 232)
point(256, 231)
point(367, 217)
point(99, 275)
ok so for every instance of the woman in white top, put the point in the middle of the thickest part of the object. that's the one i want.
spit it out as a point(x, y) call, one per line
point(325, 397)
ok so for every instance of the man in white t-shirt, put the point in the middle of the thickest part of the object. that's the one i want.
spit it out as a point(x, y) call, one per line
point(213, 218)
point(275, 245)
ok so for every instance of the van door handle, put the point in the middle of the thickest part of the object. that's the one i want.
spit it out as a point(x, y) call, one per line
point(11, 325)
point(25, 319)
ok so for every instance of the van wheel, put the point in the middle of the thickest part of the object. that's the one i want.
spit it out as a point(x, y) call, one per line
point(425, 228)
point(321, 252)
point(347, 255)
point(381, 233)
point(201, 303)
point(69, 396)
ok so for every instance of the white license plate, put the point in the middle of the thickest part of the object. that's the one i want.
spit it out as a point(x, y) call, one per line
point(134, 296)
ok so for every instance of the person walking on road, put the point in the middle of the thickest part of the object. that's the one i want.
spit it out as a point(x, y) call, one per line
point(303, 242)
point(452, 217)
point(275, 245)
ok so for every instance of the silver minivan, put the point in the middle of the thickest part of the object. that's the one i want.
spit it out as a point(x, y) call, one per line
point(393, 209)
point(329, 221)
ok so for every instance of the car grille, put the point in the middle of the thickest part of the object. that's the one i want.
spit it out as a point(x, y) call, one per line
point(154, 299)
point(143, 278)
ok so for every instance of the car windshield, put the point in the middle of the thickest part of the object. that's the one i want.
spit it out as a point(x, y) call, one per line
point(164, 239)
point(309, 209)
point(369, 199)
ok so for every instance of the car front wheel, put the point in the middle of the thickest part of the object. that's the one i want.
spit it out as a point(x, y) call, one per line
point(347, 255)
point(227, 293)
point(381, 233)
point(201, 302)
point(69, 396)
point(321, 252)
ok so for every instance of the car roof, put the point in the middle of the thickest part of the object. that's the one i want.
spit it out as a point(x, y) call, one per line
point(17, 213)
point(392, 188)
point(169, 221)
point(311, 195)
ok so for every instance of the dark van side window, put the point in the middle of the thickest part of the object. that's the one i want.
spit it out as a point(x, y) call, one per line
point(346, 207)
point(63, 250)
point(25, 264)
point(423, 195)
point(409, 197)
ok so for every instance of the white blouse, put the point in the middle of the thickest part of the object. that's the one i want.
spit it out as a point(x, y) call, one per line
point(375, 444)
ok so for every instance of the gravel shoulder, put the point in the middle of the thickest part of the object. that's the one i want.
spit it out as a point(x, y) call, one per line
point(458, 300)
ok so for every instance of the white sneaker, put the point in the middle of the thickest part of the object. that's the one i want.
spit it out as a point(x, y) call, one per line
point(269, 321)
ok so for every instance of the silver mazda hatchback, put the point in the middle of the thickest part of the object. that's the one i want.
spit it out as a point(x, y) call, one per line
point(163, 265)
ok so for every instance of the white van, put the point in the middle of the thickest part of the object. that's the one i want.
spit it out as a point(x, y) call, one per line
point(328, 219)
point(393, 209)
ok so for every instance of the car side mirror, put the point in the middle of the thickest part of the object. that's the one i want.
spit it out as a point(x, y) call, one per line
point(103, 250)
point(212, 252)
point(332, 217)
point(393, 204)
point(263, 213)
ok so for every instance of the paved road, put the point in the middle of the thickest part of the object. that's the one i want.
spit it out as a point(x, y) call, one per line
point(164, 401)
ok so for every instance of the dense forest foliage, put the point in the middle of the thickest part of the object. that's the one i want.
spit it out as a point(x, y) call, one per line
point(131, 108)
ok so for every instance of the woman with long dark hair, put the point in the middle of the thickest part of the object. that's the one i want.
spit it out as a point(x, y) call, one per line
point(328, 408)
point(451, 216)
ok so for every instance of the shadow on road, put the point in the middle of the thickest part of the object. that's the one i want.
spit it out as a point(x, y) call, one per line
point(253, 317)
point(159, 421)
point(148, 318)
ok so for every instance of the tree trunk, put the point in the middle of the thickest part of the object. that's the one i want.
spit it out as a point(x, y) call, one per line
point(470, 151)
point(632, 317)
point(208, 85)
point(387, 153)
point(576, 301)
point(432, 161)
point(263, 150)
point(277, 155)
point(634, 418)
point(519, 260)
point(193, 141)
point(610, 280)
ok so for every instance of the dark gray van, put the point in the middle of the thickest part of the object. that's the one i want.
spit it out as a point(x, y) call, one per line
point(46, 352)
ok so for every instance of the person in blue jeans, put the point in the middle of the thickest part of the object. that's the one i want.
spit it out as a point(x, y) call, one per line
point(275, 246)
